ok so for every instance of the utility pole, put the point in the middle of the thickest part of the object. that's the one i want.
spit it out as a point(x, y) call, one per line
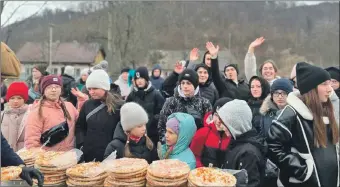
point(229, 42)
point(50, 48)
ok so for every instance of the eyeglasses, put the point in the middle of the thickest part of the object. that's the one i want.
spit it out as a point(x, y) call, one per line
point(277, 94)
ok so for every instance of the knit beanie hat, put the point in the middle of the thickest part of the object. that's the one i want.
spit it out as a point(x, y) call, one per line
point(125, 70)
point(132, 115)
point(85, 71)
point(17, 89)
point(98, 79)
point(309, 77)
point(220, 102)
point(41, 67)
point(201, 65)
point(237, 116)
point(142, 72)
point(48, 80)
point(282, 84)
point(173, 124)
point(189, 75)
point(231, 65)
point(334, 73)
point(69, 70)
point(104, 65)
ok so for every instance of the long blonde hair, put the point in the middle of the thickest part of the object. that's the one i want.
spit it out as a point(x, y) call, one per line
point(319, 109)
point(112, 101)
point(127, 152)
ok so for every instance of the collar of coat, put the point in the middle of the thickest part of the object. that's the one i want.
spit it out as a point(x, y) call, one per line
point(268, 105)
point(294, 101)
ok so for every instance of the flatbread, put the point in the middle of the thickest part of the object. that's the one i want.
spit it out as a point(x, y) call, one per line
point(141, 173)
point(85, 179)
point(85, 170)
point(139, 179)
point(206, 176)
point(128, 184)
point(168, 168)
point(10, 173)
point(45, 158)
point(127, 165)
point(174, 183)
point(80, 183)
point(153, 178)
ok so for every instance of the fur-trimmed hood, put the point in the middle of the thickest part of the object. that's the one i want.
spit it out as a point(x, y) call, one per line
point(268, 105)
point(294, 101)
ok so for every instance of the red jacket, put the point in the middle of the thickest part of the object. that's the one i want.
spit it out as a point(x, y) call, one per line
point(209, 145)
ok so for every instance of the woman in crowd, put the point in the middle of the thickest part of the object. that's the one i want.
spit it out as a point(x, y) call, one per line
point(268, 69)
point(186, 100)
point(211, 142)
point(335, 78)
point(82, 80)
point(48, 112)
point(130, 138)
point(98, 116)
point(304, 139)
point(180, 129)
point(33, 82)
point(149, 98)
point(259, 90)
point(11, 119)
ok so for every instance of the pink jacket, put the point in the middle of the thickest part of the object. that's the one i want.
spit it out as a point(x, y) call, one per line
point(12, 127)
point(52, 115)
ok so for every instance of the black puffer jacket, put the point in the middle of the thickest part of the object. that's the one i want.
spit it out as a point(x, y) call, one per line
point(95, 133)
point(138, 149)
point(268, 113)
point(291, 148)
point(196, 106)
point(247, 152)
point(209, 91)
point(68, 83)
point(227, 87)
point(152, 102)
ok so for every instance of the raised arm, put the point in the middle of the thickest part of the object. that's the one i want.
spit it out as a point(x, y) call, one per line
point(250, 59)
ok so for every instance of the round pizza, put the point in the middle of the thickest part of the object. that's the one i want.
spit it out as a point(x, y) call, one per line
point(168, 168)
point(206, 176)
point(45, 158)
point(126, 165)
point(10, 173)
point(27, 154)
point(85, 170)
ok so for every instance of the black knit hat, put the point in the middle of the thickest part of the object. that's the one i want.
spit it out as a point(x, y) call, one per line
point(309, 77)
point(220, 102)
point(189, 75)
point(334, 73)
point(201, 65)
point(282, 84)
point(142, 72)
point(125, 70)
point(231, 65)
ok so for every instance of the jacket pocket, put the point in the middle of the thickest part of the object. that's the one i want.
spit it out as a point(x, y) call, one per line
point(309, 163)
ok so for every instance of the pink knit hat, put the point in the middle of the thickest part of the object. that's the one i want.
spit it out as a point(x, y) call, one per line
point(173, 124)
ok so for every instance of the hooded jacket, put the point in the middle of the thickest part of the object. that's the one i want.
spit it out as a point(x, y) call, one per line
point(125, 89)
point(209, 145)
point(52, 115)
point(69, 83)
point(268, 113)
point(138, 149)
point(152, 102)
point(181, 150)
point(291, 147)
point(255, 103)
point(196, 106)
point(12, 126)
point(227, 87)
point(157, 82)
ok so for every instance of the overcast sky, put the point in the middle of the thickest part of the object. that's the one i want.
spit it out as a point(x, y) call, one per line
point(31, 7)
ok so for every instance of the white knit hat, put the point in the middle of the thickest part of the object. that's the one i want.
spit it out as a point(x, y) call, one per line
point(237, 116)
point(98, 79)
point(132, 115)
point(85, 71)
point(69, 70)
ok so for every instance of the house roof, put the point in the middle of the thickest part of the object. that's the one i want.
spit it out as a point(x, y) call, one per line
point(69, 52)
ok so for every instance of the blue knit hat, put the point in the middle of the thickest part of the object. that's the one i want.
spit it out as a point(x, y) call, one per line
point(282, 84)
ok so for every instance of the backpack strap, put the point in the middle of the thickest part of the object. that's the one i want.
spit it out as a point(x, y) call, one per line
point(94, 111)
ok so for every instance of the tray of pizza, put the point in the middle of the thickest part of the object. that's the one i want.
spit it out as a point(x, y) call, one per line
point(126, 172)
point(208, 176)
point(168, 172)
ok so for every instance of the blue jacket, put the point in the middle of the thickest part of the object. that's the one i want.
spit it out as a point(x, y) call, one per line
point(8, 156)
point(187, 130)
point(157, 82)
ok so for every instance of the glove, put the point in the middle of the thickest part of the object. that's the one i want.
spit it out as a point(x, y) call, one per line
point(28, 173)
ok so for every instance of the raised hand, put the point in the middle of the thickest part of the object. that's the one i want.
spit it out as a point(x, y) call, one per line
point(194, 54)
point(212, 49)
point(76, 92)
point(178, 68)
point(257, 42)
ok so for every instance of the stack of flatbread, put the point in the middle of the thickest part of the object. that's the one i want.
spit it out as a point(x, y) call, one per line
point(126, 172)
point(208, 176)
point(169, 172)
point(29, 155)
point(10, 173)
point(54, 175)
point(86, 174)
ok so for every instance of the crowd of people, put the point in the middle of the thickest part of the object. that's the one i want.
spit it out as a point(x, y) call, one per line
point(282, 131)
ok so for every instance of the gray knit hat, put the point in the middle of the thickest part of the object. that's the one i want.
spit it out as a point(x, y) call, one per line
point(237, 116)
point(132, 115)
point(98, 79)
